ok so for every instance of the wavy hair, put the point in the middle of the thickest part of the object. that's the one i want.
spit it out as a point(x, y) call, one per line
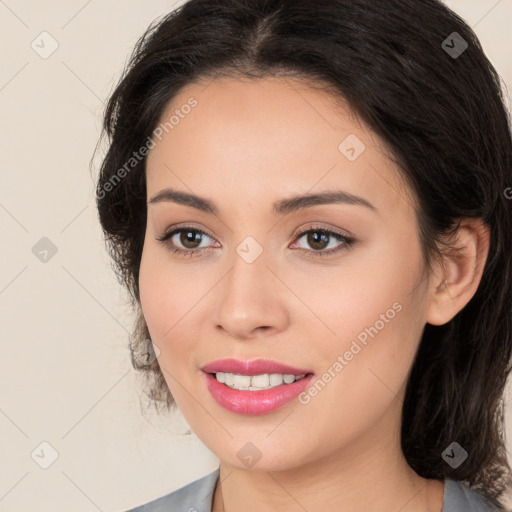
point(444, 119)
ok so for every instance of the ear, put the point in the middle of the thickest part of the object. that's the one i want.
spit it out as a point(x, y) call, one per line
point(456, 279)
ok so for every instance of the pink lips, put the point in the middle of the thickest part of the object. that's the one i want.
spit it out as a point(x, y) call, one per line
point(254, 402)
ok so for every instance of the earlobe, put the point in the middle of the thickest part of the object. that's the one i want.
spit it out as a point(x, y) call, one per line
point(456, 280)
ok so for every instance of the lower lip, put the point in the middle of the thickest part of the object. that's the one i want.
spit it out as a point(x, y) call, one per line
point(255, 402)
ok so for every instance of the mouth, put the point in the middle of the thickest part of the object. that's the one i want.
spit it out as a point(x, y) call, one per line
point(254, 387)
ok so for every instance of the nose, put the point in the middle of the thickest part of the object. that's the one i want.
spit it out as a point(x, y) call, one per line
point(251, 299)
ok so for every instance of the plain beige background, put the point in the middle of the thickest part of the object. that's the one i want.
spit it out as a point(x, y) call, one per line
point(66, 377)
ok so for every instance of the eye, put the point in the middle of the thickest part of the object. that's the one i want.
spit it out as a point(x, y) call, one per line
point(320, 238)
point(187, 236)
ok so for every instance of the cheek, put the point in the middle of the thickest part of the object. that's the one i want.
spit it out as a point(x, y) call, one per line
point(171, 300)
point(165, 308)
point(165, 292)
point(360, 309)
point(375, 321)
point(364, 374)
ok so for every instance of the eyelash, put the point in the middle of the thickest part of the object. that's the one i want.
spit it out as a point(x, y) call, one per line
point(346, 245)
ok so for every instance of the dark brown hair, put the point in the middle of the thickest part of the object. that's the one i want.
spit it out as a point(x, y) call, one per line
point(439, 107)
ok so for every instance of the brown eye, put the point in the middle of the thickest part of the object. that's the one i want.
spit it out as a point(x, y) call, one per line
point(185, 240)
point(319, 239)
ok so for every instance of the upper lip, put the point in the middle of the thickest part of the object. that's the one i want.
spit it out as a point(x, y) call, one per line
point(254, 367)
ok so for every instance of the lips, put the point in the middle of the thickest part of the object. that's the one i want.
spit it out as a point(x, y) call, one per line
point(255, 367)
point(254, 402)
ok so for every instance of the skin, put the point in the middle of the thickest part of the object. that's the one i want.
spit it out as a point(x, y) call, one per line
point(245, 145)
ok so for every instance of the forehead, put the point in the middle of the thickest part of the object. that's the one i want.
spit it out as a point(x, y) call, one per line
point(264, 136)
point(262, 108)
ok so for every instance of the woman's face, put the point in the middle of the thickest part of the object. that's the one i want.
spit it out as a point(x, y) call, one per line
point(255, 288)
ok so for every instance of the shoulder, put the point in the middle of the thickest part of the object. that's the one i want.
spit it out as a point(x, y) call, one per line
point(460, 498)
point(196, 496)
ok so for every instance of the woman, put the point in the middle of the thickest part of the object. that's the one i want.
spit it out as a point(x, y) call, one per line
point(308, 202)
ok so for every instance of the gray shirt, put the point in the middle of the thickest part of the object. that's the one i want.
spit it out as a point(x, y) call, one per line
point(198, 497)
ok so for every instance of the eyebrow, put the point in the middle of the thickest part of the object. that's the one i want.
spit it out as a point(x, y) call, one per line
point(281, 207)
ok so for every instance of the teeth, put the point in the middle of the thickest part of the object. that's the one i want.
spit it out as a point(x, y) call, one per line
point(289, 378)
point(256, 382)
point(276, 379)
